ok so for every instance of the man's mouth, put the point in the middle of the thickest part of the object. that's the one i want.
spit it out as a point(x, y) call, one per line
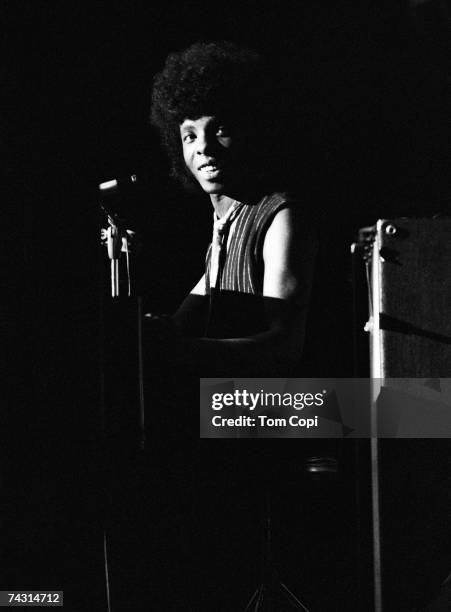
point(210, 170)
point(210, 166)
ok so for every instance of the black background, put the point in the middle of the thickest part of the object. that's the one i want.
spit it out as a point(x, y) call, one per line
point(366, 132)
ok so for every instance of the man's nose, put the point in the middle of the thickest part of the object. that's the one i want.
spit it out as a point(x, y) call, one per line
point(204, 143)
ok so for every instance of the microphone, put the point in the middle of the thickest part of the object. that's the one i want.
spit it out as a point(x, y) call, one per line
point(115, 183)
point(113, 192)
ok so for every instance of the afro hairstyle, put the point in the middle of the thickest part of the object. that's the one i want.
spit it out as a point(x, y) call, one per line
point(219, 79)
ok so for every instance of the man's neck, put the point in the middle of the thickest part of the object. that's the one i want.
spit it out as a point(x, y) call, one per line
point(221, 203)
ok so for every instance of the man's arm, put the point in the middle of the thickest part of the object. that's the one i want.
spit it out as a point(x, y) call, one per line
point(289, 253)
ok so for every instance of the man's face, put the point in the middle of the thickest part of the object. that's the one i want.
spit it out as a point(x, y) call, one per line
point(211, 154)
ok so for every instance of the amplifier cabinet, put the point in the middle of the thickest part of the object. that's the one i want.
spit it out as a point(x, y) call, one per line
point(410, 298)
point(409, 265)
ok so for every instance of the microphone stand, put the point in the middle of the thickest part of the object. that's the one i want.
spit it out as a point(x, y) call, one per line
point(117, 240)
point(117, 321)
point(263, 599)
point(120, 240)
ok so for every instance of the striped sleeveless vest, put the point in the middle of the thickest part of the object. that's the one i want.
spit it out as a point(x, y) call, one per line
point(236, 304)
point(241, 266)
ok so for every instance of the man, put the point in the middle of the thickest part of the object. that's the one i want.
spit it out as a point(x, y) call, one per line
point(246, 315)
point(213, 105)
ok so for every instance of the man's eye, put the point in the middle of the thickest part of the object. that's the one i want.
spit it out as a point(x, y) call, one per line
point(188, 137)
point(222, 131)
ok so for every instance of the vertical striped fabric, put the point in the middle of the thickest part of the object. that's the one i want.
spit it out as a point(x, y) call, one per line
point(241, 266)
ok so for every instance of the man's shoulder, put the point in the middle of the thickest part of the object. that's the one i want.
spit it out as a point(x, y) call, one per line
point(291, 212)
point(279, 198)
point(271, 203)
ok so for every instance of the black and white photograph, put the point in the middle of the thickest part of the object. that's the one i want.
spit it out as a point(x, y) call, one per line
point(207, 207)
